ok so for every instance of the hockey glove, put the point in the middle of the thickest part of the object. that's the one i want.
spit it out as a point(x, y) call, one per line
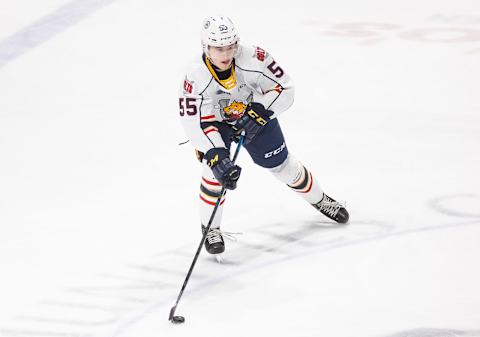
point(253, 120)
point(227, 173)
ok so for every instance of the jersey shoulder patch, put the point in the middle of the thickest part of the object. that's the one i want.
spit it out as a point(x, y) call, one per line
point(252, 57)
point(187, 86)
point(260, 54)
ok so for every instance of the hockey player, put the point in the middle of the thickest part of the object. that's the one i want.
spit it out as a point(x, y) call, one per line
point(233, 88)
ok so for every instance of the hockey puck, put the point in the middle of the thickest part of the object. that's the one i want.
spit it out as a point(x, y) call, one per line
point(178, 319)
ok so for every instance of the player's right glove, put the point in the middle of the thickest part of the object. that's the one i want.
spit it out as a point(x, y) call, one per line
point(253, 120)
point(224, 170)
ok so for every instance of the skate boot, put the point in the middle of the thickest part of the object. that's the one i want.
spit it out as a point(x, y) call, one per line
point(332, 209)
point(214, 243)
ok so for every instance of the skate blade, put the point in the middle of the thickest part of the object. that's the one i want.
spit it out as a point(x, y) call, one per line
point(219, 258)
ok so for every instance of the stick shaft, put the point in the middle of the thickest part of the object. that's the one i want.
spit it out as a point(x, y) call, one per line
point(199, 249)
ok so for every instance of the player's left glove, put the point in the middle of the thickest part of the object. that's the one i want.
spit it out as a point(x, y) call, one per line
point(253, 120)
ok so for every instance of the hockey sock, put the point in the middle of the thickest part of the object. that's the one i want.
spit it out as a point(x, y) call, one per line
point(210, 190)
point(299, 179)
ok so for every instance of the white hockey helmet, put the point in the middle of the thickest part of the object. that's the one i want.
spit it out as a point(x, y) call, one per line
point(218, 31)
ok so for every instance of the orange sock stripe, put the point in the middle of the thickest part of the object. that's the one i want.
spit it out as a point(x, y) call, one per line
point(305, 185)
point(209, 196)
point(301, 180)
point(207, 117)
point(211, 202)
point(210, 129)
point(207, 132)
point(310, 185)
point(209, 182)
point(209, 192)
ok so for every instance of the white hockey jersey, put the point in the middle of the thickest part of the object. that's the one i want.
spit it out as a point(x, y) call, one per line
point(256, 77)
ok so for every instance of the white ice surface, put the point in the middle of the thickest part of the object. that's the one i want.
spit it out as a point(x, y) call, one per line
point(98, 203)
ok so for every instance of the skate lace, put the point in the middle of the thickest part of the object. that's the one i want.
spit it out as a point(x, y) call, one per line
point(215, 235)
point(330, 207)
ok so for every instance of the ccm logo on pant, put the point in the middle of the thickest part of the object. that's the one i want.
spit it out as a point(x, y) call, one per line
point(276, 151)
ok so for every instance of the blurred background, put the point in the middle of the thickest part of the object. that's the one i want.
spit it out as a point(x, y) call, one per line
point(98, 202)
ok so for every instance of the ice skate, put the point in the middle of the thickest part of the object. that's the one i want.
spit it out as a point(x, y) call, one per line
point(219, 258)
point(214, 243)
point(332, 209)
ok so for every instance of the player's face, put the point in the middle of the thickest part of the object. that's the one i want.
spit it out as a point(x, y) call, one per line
point(222, 57)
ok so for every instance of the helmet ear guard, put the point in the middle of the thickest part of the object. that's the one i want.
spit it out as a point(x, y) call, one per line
point(218, 31)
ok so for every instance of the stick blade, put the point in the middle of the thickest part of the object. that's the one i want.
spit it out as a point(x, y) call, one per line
point(172, 313)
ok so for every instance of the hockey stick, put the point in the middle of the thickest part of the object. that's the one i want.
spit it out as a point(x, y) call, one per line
point(180, 319)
